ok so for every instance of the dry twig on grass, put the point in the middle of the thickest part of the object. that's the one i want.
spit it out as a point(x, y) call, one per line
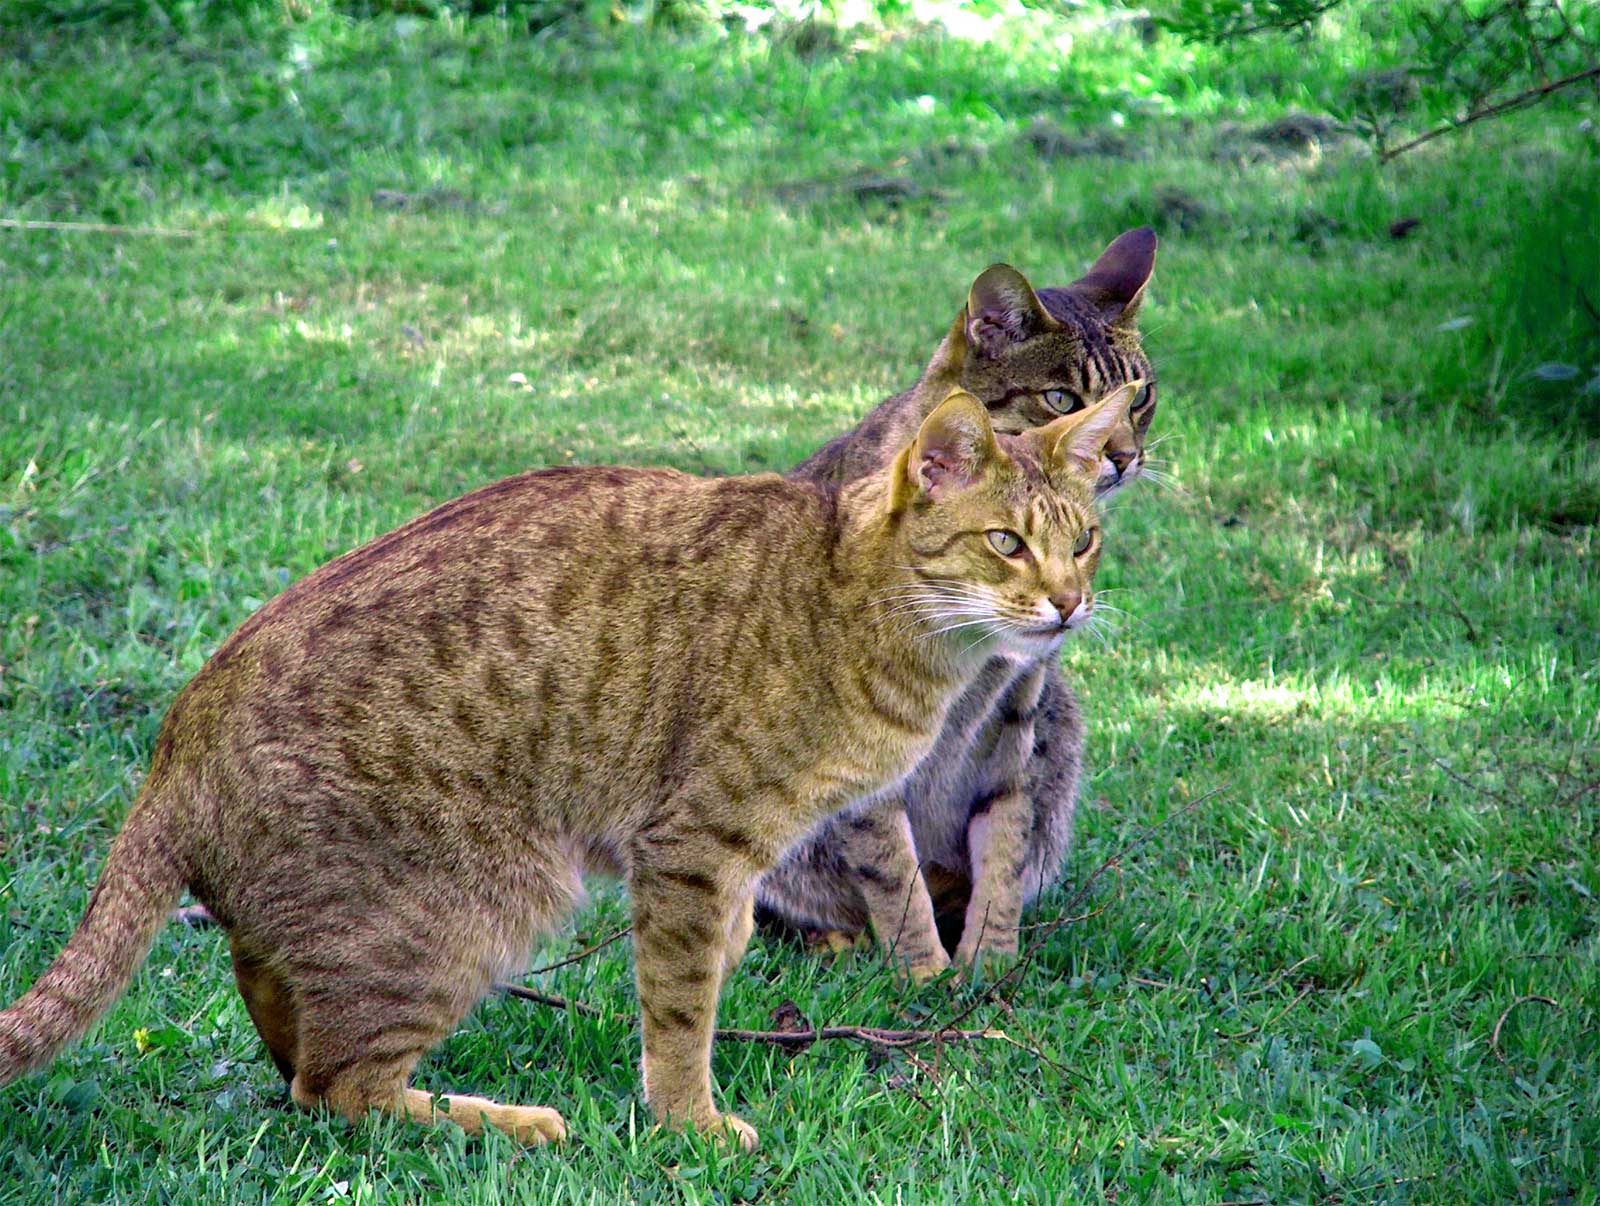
point(164, 232)
point(583, 954)
point(893, 1039)
point(798, 1040)
point(1494, 1037)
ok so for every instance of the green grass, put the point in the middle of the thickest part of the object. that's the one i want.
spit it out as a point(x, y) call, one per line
point(1367, 618)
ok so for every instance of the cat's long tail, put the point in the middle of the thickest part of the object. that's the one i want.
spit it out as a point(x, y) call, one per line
point(141, 881)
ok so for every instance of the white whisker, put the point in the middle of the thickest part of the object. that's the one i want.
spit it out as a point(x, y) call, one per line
point(1090, 629)
point(933, 601)
point(942, 593)
point(1162, 479)
point(981, 637)
point(922, 592)
point(954, 627)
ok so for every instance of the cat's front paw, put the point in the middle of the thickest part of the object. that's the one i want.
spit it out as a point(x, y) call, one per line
point(730, 1127)
point(718, 1127)
point(982, 957)
point(928, 968)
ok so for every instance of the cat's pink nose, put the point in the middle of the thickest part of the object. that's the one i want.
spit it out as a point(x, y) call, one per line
point(1066, 605)
point(1121, 459)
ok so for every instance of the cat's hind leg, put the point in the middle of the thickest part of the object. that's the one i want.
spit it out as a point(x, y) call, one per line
point(358, 1048)
point(381, 1085)
point(376, 989)
point(269, 1000)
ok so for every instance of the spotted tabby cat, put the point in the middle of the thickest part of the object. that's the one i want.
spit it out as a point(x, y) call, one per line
point(983, 824)
point(395, 774)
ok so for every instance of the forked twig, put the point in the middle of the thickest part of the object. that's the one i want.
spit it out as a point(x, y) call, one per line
point(872, 1036)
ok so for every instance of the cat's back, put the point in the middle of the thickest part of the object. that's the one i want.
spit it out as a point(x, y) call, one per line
point(508, 565)
point(856, 452)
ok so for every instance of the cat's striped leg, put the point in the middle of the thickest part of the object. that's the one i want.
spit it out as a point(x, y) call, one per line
point(1000, 829)
point(684, 919)
point(526, 1124)
point(997, 840)
point(877, 844)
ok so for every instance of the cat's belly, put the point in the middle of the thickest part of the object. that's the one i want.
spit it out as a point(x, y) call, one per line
point(939, 800)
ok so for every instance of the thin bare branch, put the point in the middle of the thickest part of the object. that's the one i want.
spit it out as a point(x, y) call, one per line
point(798, 1040)
point(165, 232)
point(1521, 100)
point(583, 954)
point(1494, 1037)
point(872, 1036)
point(555, 1002)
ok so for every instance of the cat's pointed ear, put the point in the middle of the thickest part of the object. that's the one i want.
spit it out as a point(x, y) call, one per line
point(1115, 285)
point(952, 451)
point(1002, 309)
point(1078, 441)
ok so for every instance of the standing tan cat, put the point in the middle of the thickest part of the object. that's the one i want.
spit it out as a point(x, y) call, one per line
point(984, 822)
point(393, 776)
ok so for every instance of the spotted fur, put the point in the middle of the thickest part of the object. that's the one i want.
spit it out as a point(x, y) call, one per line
point(396, 774)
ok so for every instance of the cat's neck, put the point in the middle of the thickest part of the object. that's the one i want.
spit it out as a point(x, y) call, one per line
point(874, 582)
point(889, 426)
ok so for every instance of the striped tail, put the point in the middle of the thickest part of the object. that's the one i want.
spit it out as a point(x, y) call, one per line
point(140, 883)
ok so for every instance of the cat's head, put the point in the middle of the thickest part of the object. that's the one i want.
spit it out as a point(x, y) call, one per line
point(1000, 532)
point(1032, 357)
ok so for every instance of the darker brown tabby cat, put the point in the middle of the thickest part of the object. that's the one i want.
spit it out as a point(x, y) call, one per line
point(983, 824)
point(1030, 357)
point(393, 776)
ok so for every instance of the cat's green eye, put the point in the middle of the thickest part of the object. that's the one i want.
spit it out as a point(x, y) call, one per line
point(1007, 544)
point(1140, 399)
point(1062, 401)
point(1084, 541)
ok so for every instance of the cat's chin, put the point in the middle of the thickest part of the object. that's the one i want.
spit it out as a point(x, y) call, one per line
point(1112, 479)
point(1030, 645)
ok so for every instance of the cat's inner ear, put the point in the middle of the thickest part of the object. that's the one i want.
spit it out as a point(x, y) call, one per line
point(1002, 310)
point(1116, 283)
point(953, 448)
point(1078, 441)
